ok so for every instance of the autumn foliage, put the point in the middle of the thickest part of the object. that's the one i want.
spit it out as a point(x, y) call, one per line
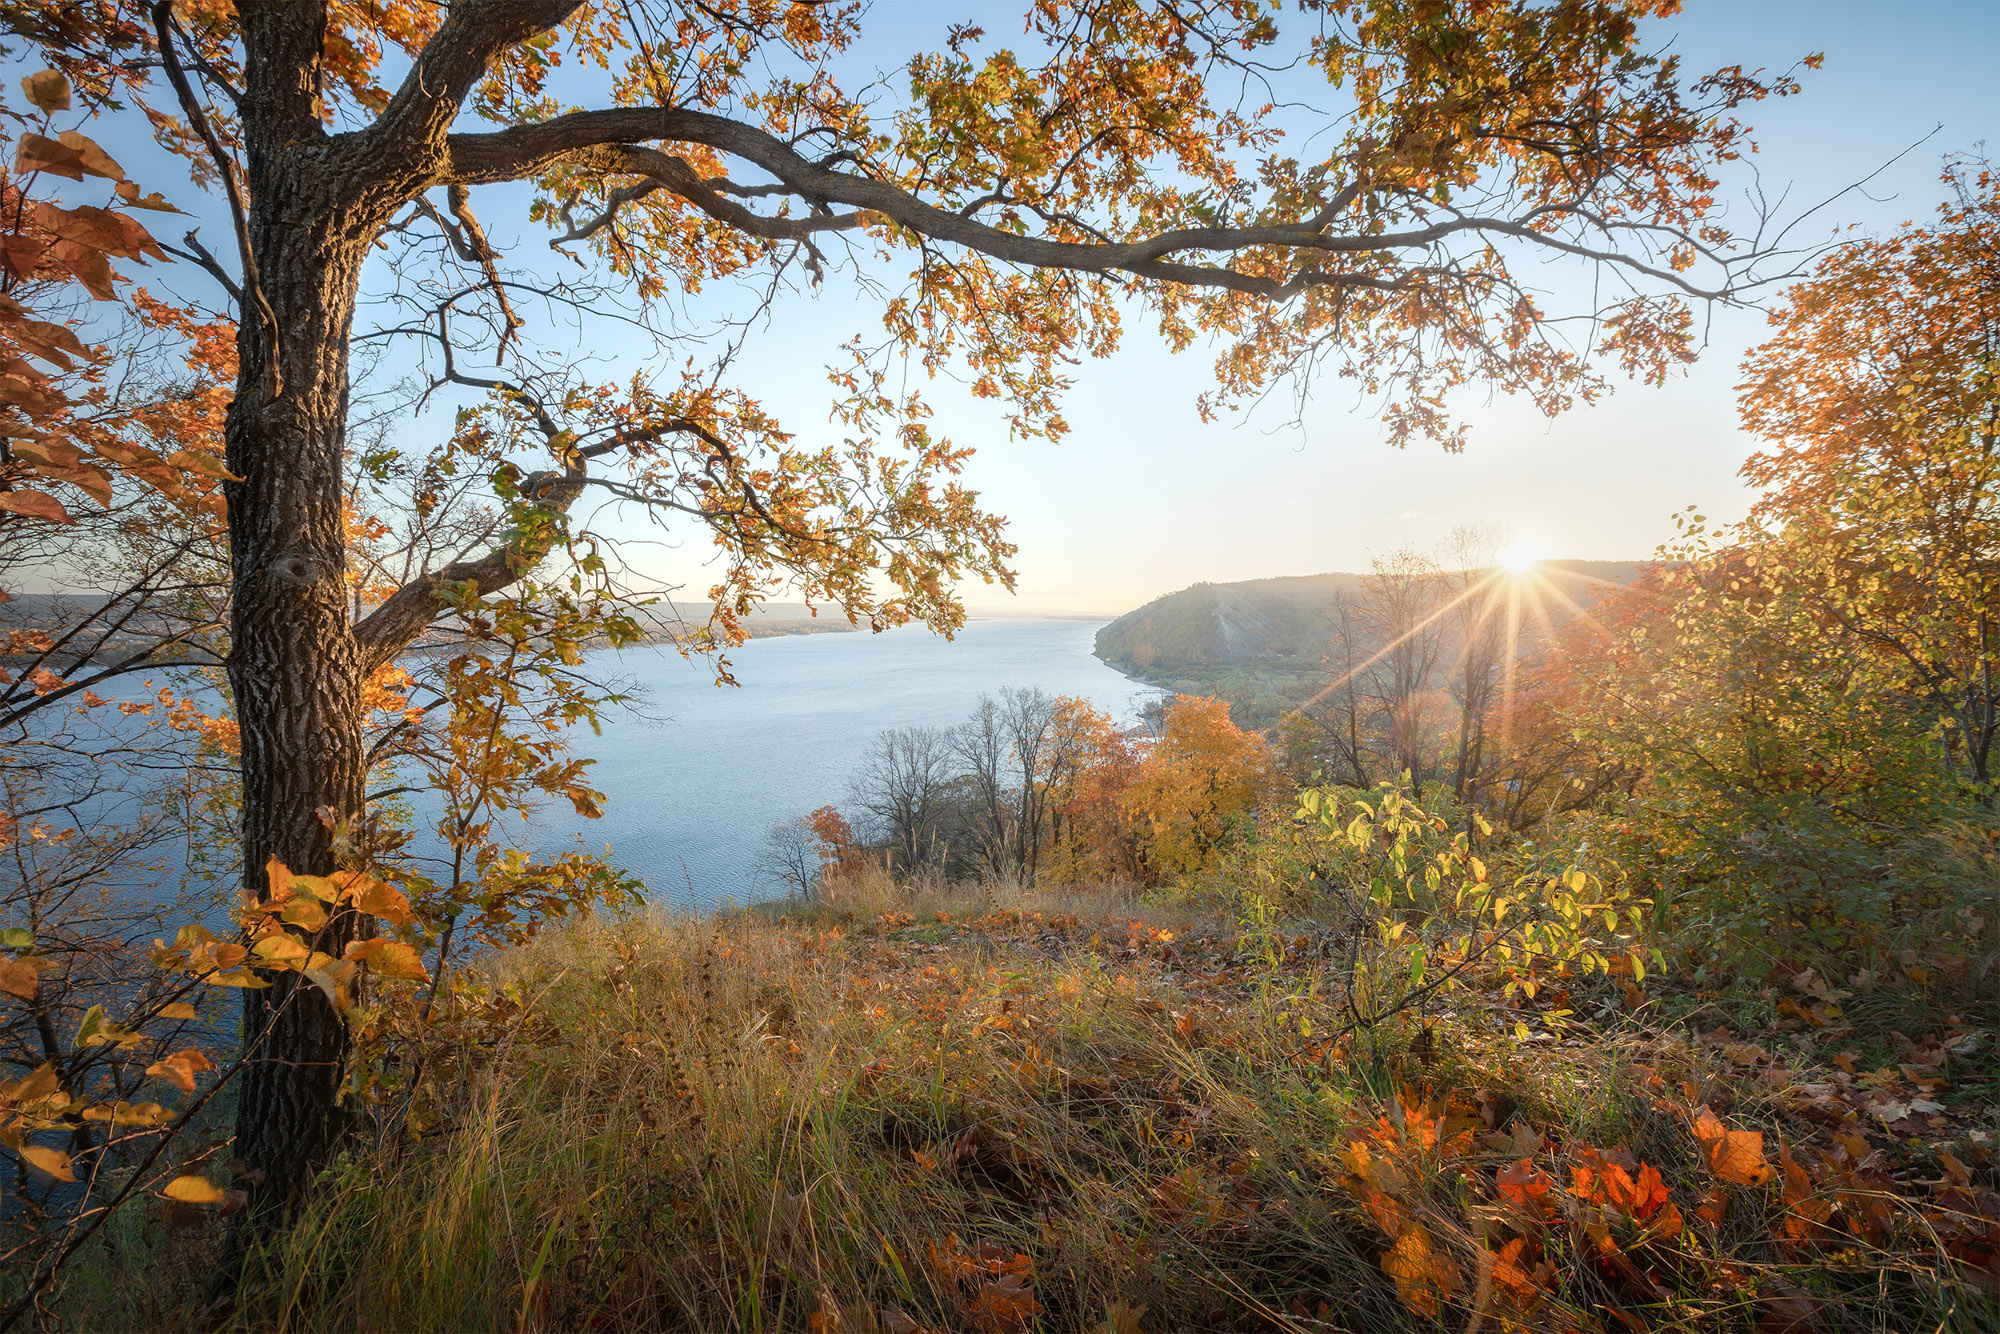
point(1789, 721)
point(1197, 785)
point(1282, 1058)
point(1026, 1109)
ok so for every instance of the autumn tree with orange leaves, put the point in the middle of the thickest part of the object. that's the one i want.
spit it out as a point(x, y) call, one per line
point(1197, 787)
point(1118, 158)
point(1878, 401)
point(1796, 714)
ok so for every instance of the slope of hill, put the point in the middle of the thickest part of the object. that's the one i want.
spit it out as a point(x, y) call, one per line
point(1261, 643)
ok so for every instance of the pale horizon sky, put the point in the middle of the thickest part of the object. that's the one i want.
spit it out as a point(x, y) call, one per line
point(1143, 498)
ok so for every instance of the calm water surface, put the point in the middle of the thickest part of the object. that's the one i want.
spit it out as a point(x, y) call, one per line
point(697, 776)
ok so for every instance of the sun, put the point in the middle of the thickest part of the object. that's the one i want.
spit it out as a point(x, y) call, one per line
point(1520, 557)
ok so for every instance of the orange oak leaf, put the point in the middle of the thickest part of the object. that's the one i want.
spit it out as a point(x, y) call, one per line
point(180, 1068)
point(1736, 1156)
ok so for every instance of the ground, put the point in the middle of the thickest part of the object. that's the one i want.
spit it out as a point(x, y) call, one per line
point(976, 1109)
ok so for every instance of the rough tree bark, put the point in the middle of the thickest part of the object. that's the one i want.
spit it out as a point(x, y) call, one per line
point(313, 204)
point(294, 664)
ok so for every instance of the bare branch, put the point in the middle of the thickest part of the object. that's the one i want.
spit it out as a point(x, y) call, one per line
point(163, 31)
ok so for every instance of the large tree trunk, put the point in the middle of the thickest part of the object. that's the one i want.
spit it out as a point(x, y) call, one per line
point(296, 672)
point(294, 663)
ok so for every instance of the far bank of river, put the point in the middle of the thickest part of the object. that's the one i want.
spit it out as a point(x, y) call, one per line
point(696, 775)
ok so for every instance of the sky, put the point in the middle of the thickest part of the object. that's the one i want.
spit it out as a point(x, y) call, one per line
point(1143, 498)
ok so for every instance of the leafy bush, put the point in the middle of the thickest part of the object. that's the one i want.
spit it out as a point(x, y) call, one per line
point(1415, 911)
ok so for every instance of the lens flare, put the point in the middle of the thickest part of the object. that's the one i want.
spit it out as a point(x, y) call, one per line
point(1520, 557)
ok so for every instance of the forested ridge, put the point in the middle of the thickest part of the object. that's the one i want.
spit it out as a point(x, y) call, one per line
point(1471, 942)
point(1263, 643)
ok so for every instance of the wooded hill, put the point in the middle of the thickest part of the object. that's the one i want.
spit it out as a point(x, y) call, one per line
point(1262, 643)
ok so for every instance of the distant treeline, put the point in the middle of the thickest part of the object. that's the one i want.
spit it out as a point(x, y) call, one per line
point(1264, 644)
point(1033, 786)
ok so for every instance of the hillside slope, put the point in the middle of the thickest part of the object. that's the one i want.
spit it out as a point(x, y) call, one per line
point(1261, 642)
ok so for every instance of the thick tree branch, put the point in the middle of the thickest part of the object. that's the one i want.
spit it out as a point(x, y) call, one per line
point(410, 132)
point(666, 171)
point(583, 138)
point(405, 614)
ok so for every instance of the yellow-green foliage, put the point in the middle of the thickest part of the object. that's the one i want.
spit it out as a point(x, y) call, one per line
point(1437, 904)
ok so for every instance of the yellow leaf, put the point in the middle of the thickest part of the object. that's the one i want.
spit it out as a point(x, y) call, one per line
point(53, 1161)
point(33, 1088)
point(389, 958)
point(385, 901)
point(303, 913)
point(47, 89)
point(281, 951)
point(333, 980)
point(319, 886)
point(206, 464)
point(236, 977)
point(194, 1190)
point(47, 451)
point(179, 1010)
point(123, 1113)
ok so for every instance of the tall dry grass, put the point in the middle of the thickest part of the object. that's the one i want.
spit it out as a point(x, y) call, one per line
point(957, 1108)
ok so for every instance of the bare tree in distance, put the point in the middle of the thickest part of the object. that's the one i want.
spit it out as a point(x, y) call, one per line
point(981, 744)
point(1398, 609)
point(1030, 715)
point(900, 790)
point(1339, 720)
point(1480, 611)
point(790, 857)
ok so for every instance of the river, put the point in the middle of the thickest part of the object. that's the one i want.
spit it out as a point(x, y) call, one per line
point(696, 775)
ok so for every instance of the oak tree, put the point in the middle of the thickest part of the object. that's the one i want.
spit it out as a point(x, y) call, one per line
point(1115, 158)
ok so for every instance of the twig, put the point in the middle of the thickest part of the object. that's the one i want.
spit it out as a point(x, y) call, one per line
point(163, 15)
